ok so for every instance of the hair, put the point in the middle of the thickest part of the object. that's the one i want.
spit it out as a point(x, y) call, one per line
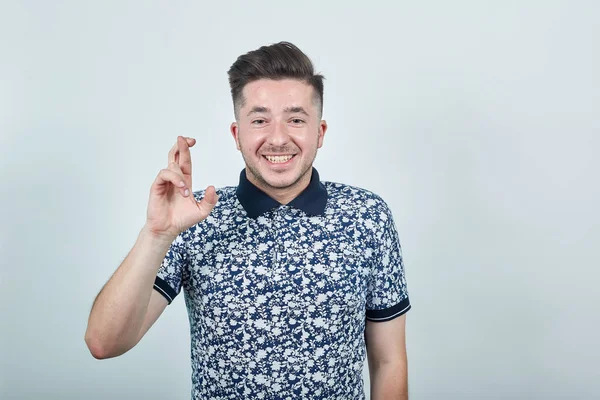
point(278, 61)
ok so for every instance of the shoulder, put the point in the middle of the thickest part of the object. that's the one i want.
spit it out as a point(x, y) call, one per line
point(357, 200)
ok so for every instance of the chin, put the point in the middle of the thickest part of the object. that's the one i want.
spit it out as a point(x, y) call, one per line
point(282, 179)
point(281, 182)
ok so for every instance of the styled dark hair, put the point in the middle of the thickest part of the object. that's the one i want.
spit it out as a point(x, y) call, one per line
point(278, 61)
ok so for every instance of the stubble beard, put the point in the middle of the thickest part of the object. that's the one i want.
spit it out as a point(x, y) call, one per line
point(305, 168)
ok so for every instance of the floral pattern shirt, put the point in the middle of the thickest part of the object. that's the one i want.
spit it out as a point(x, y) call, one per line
point(278, 295)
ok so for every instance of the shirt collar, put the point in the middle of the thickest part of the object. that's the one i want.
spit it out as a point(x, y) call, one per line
point(312, 200)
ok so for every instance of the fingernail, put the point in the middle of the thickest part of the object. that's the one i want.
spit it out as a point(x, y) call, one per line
point(182, 184)
point(187, 192)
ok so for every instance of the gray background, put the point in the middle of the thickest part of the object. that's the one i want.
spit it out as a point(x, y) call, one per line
point(476, 121)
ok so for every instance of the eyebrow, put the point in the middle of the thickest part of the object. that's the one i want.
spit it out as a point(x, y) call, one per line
point(287, 110)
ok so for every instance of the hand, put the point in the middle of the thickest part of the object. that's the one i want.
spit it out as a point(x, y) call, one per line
point(172, 207)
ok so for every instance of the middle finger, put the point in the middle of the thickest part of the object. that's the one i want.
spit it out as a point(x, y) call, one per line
point(174, 152)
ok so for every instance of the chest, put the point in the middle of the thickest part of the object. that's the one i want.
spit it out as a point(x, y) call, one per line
point(274, 262)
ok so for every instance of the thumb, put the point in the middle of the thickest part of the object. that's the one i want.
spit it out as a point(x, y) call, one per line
point(208, 202)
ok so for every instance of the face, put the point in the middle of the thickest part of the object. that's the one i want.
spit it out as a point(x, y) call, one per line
point(278, 132)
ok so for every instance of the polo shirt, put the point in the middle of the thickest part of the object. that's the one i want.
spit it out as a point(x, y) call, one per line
point(278, 295)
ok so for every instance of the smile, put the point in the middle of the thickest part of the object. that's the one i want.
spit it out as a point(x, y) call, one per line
point(279, 159)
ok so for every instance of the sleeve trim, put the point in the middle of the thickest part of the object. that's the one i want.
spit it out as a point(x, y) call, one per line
point(389, 313)
point(163, 288)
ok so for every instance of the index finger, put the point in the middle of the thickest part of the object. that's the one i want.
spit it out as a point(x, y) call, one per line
point(185, 158)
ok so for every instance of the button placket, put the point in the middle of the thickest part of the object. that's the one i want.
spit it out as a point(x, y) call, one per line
point(279, 225)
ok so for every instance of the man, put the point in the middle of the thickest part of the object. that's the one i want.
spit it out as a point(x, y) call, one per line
point(288, 280)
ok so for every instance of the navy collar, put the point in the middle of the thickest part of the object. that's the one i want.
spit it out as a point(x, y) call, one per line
point(312, 200)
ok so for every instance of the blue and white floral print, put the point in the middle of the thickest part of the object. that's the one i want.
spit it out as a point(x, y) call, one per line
point(278, 295)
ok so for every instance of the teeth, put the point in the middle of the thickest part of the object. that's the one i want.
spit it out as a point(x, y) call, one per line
point(278, 159)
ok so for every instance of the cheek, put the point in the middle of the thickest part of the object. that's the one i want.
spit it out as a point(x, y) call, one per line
point(249, 144)
point(310, 142)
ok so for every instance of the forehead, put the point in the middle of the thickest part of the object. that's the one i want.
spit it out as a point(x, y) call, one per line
point(277, 94)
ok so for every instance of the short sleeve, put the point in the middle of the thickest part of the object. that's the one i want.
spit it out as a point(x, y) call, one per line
point(387, 296)
point(168, 280)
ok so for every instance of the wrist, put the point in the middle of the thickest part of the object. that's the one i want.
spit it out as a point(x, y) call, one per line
point(159, 239)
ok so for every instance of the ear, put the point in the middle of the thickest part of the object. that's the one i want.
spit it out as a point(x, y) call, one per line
point(322, 130)
point(235, 131)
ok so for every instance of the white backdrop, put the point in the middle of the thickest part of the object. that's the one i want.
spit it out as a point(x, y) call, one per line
point(477, 121)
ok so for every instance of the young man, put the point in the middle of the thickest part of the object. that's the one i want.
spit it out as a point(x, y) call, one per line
point(289, 281)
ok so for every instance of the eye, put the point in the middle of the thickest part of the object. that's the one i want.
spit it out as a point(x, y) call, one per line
point(258, 122)
point(297, 121)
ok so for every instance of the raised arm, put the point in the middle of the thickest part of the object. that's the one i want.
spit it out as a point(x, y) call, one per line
point(121, 306)
point(127, 305)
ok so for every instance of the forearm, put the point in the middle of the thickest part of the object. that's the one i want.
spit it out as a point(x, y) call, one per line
point(119, 310)
point(389, 382)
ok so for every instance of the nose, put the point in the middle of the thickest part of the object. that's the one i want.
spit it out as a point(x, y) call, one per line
point(279, 135)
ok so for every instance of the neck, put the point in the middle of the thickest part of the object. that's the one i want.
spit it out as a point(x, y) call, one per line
point(286, 194)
